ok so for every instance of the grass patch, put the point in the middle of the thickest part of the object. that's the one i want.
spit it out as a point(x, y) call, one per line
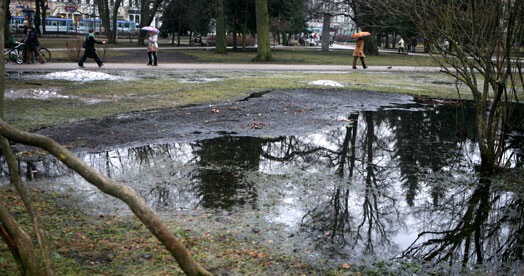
point(308, 56)
point(110, 245)
point(164, 90)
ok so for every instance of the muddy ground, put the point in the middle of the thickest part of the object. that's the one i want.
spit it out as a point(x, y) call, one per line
point(264, 114)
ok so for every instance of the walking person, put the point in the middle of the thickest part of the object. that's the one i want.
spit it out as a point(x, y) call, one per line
point(401, 45)
point(90, 51)
point(359, 53)
point(24, 50)
point(31, 45)
point(152, 48)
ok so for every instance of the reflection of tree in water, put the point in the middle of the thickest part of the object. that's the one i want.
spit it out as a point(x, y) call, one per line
point(331, 224)
point(483, 227)
point(218, 181)
point(422, 139)
point(31, 169)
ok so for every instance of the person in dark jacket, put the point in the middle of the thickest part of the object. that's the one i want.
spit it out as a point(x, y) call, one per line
point(31, 44)
point(24, 51)
point(90, 51)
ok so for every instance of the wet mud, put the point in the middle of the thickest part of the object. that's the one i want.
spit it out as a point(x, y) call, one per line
point(277, 113)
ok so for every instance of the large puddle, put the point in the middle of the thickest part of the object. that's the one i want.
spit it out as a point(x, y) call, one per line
point(395, 183)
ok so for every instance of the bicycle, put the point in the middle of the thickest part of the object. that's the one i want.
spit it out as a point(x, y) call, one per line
point(16, 54)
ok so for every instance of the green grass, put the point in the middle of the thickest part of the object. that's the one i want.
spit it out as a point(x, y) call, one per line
point(107, 98)
point(308, 56)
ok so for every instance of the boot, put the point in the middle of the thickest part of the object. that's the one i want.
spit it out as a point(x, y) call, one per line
point(355, 62)
point(363, 63)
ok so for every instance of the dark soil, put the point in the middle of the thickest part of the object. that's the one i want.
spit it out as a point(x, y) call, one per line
point(272, 114)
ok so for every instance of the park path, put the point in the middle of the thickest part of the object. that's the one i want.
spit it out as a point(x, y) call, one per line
point(61, 66)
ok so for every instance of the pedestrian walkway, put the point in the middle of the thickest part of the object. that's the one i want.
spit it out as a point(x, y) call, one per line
point(219, 67)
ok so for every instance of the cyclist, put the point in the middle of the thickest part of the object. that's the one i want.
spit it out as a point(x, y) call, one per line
point(31, 44)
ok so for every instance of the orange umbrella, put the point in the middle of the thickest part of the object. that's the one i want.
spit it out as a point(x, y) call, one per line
point(361, 34)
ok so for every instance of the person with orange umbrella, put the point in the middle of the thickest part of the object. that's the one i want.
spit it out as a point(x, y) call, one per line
point(359, 49)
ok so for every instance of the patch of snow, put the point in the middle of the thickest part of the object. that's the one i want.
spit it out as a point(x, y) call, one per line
point(81, 75)
point(200, 80)
point(326, 83)
point(34, 94)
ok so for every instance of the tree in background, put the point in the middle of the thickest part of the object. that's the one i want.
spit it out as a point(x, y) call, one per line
point(40, 12)
point(184, 16)
point(107, 19)
point(148, 9)
point(369, 16)
point(287, 18)
point(326, 10)
point(264, 44)
point(221, 46)
point(477, 42)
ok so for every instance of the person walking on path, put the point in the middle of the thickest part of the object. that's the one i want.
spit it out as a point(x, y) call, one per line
point(31, 44)
point(90, 51)
point(152, 49)
point(401, 45)
point(359, 53)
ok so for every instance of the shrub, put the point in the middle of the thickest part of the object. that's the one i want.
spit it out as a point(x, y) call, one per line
point(74, 48)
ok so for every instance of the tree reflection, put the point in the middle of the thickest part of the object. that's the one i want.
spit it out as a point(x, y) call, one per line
point(335, 224)
point(221, 163)
point(483, 227)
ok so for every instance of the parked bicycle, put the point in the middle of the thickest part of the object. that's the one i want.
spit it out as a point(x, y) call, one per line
point(16, 53)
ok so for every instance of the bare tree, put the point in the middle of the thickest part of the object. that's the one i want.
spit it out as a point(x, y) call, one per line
point(484, 38)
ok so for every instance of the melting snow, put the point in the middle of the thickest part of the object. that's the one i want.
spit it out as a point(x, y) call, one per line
point(326, 83)
point(200, 80)
point(81, 75)
point(34, 94)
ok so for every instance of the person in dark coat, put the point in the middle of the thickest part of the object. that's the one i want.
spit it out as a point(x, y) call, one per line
point(24, 51)
point(31, 44)
point(90, 51)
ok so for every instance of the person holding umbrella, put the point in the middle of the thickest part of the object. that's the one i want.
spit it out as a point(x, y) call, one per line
point(152, 47)
point(359, 49)
point(90, 51)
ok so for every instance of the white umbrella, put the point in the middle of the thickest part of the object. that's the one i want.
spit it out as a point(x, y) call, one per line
point(150, 29)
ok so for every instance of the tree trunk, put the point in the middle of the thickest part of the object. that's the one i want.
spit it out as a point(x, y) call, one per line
point(114, 33)
point(235, 42)
point(221, 45)
point(18, 241)
point(6, 17)
point(20, 244)
point(103, 11)
point(16, 180)
point(244, 27)
point(264, 43)
point(43, 7)
point(326, 25)
point(370, 46)
point(136, 203)
point(147, 13)
point(36, 20)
